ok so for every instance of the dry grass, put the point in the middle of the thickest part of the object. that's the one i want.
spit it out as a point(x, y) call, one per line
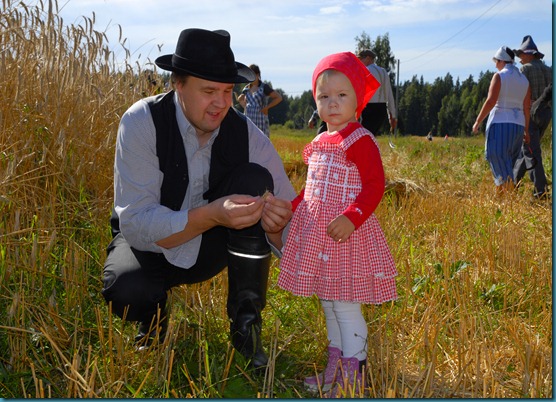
point(474, 317)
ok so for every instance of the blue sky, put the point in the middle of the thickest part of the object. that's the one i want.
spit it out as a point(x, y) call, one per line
point(287, 38)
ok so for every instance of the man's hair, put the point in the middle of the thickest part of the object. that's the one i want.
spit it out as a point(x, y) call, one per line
point(367, 53)
point(178, 77)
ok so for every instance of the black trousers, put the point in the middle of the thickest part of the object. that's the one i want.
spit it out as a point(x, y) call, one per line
point(136, 282)
point(529, 153)
point(374, 116)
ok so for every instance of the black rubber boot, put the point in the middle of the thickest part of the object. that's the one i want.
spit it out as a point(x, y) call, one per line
point(248, 267)
point(152, 331)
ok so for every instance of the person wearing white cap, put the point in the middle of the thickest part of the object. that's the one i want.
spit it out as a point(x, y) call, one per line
point(540, 77)
point(507, 106)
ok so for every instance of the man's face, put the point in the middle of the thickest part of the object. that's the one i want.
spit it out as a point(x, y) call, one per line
point(204, 103)
point(525, 58)
point(366, 60)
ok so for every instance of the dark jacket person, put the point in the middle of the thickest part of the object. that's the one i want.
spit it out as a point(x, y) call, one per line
point(189, 174)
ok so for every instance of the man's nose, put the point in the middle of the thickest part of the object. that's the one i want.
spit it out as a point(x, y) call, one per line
point(222, 99)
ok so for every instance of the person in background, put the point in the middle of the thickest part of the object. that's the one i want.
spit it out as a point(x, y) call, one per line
point(314, 120)
point(381, 106)
point(254, 101)
point(507, 106)
point(539, 76)
point(335, 247)
point(189, 174)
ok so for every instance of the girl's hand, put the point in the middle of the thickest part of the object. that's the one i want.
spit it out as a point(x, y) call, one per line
point(340, 229)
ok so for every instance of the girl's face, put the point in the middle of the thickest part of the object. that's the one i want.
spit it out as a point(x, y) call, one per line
point(336, 99)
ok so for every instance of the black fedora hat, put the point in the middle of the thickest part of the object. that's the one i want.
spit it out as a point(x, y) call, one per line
point(206, 54)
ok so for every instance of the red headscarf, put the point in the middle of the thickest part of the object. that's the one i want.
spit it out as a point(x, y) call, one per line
point(363, 82)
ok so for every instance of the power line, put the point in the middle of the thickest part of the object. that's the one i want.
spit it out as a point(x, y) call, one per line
point(425, 62)
point(456, 34)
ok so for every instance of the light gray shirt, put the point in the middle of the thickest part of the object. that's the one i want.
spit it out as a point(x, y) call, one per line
point(384, 93)
point(138, 179)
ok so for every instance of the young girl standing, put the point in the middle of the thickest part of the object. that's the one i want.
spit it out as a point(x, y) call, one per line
point(336, 248)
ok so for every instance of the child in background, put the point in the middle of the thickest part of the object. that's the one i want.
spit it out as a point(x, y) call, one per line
point(335, 247)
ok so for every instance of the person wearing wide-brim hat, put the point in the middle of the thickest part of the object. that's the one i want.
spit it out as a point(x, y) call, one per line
point(507, 107)
point(539, 76)
point(528, 46)
point(189, 178)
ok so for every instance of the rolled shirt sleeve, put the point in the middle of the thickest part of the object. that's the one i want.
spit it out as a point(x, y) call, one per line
point(138, 180)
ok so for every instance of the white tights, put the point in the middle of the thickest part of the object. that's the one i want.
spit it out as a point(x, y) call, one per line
point(347, 329)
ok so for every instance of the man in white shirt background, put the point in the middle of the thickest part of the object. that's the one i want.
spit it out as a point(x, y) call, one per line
point(382, 105)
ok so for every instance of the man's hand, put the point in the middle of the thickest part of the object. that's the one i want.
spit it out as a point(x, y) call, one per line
point(237, 211)
point(234, 211)
point(393, 123)
point(276, 214)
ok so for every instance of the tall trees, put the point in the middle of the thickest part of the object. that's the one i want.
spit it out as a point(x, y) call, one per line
point(412, 114)
point(300, 109)
point(443, 107)
point(381, 47)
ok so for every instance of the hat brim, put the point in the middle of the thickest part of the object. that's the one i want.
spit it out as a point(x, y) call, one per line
point(519, 52)
point(244, 73)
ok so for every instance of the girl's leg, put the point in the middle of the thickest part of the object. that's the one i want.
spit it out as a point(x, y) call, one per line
point(353, 329)
point(332, 327)
point(324, 380)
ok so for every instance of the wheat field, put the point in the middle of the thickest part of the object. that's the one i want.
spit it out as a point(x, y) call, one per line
point(474, 316)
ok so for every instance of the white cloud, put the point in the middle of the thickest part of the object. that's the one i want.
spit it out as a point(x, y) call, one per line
point(331, 10)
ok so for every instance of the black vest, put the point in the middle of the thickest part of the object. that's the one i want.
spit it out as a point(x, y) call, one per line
point(229, 150)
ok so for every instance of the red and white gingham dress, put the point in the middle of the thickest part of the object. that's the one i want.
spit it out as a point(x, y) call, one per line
point(360, 270)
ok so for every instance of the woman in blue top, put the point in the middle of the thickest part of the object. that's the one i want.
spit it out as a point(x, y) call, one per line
point(507, 105)
point(253, 99)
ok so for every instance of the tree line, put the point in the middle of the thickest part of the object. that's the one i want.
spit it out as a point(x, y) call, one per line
point(441, 107)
